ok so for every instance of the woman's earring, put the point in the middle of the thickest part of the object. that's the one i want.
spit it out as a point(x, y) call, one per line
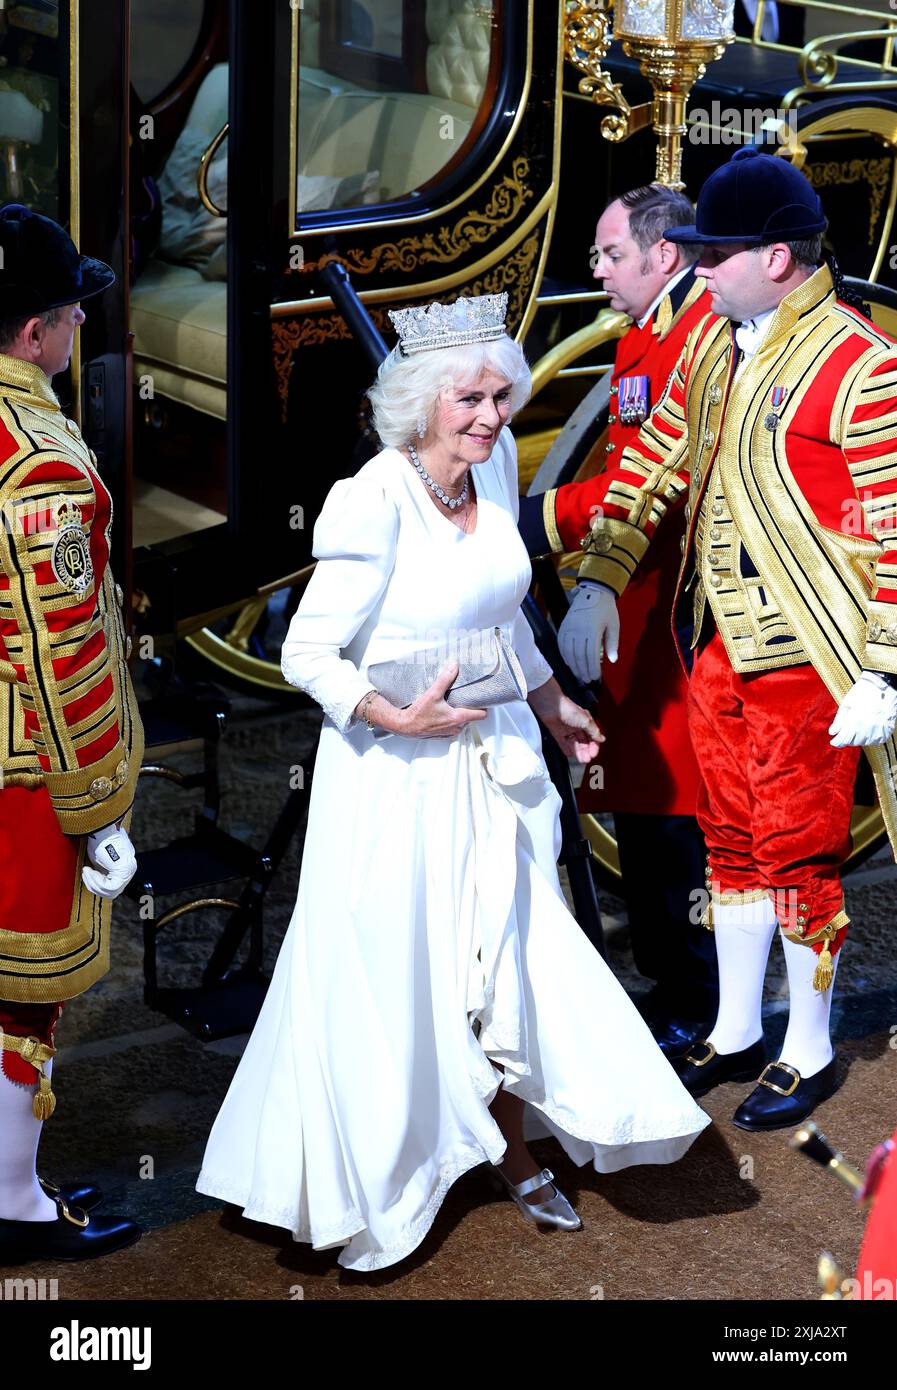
point(421, 426)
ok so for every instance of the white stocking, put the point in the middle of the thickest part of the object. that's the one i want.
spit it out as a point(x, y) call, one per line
point(21, 1196)
point(807, 1045)
point(743, 934)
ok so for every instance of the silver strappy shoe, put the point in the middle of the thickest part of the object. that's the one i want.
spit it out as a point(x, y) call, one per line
point(556, 1211)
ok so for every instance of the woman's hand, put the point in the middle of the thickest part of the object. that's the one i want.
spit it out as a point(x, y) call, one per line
point(571, 726)
point(429, 716)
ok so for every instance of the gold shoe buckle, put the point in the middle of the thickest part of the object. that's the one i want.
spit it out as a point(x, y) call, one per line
point(82, 1222)
point(702, 1061)
point(780, 1090)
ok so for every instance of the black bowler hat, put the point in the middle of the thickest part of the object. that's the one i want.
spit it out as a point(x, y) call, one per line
point(40, 266)
point(754, 198)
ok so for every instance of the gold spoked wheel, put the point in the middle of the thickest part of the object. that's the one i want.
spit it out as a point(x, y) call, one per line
point(234, 644)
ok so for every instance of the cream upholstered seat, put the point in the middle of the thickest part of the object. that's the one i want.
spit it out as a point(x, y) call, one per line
point(180, 335)
point(406, 137)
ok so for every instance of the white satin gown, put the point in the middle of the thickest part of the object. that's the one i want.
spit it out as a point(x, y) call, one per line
point(430, 950)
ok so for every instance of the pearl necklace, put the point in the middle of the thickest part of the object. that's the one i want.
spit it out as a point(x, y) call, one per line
point(447, 501)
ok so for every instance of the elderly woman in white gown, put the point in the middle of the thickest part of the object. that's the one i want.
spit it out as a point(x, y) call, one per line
point(432, 983)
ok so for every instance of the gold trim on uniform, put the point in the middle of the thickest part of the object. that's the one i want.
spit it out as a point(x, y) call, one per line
point(37, 967)
point(549, 520)
point(763, 495)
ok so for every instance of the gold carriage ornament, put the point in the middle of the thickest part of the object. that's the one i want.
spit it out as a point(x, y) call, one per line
point(673, 40)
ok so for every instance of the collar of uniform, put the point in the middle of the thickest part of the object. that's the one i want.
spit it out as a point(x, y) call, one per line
point(652, 313)
point(28, 379)
point(684, 293)
point(812, 296)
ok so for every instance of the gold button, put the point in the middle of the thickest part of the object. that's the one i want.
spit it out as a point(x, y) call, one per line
point(609, 448)
point(802, 907)
point(100, 788)
point(709, 437)
point(801, 921)
point(121, 772)
point(800, 930)
point(892, 632)
point(874, 630)
point(604, 542)
point(93, 457)
point(716, 394)
point(611, 419)
point(72, 428)
point(688, 511)
point(715, 581)
point(716, 508)
point(129, 647)
point(119, 595)
point(697, 477)
point(715, 533)
point(682, 544)
point(614, 390)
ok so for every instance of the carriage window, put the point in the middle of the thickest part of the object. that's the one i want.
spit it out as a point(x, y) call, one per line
point(168, 31)
point(31, 66)
point(389, 92)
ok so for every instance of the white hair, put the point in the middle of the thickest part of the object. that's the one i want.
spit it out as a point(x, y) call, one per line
point(407, 388)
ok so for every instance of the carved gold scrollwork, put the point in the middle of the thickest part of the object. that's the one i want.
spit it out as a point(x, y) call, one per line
point(587, 35)
point(818, 62)
point(515, 275)
point(307, 330)
point(447, 243)
point(875, 172)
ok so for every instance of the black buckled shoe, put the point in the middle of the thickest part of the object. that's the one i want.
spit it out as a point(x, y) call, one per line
point(703, 1067)
point(783, 1098)
point(74, 1235)
point(75, 1194)
point(676, 1036)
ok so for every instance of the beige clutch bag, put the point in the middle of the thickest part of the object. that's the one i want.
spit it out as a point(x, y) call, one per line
point(489, 673)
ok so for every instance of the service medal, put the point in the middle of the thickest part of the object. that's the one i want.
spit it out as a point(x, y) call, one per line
point(70, 555)
point(633, 399)
point(776, 399)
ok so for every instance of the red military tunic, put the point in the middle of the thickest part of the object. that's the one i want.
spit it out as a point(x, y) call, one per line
point(647, 763)
point(72, 740)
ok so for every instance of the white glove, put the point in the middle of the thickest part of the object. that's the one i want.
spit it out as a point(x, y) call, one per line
point(591, 624)
point(111, 851)
point(867, 714)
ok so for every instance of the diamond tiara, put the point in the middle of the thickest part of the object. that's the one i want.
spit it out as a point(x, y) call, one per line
point(475, 319)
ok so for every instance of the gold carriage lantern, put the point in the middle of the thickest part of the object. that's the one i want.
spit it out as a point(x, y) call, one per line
point(673, 40)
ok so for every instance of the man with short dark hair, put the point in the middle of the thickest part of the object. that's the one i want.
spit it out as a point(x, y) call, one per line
point(648, 775)
point(781, 433)
point(72, 739)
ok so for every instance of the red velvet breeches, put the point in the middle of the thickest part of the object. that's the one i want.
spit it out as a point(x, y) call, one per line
point(39, 864)
point(777, 798)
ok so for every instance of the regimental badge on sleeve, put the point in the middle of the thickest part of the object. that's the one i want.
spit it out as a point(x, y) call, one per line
point(70, 556)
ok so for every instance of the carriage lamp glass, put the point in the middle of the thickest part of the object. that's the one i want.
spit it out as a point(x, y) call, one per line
point(674, 20)
point(673, 41)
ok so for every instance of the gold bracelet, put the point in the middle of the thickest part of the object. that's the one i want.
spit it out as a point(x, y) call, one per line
point(365, 706)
